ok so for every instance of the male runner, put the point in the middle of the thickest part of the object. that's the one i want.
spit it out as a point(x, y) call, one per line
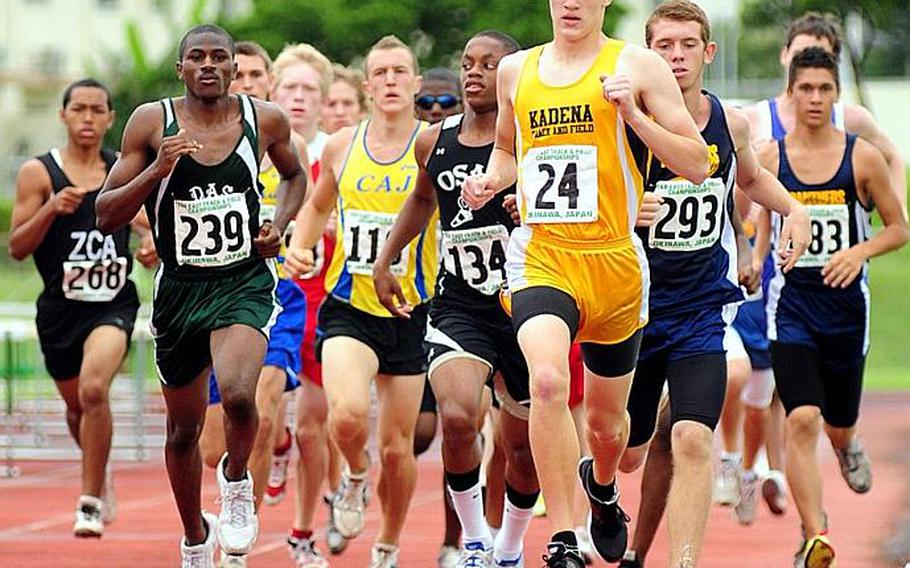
point(818, 313)
point(214, 293)
point(771, 120)
point(439, 96)
point(370, 170)
point(346, 102)
point(692, 254)
point(88, 306)
point(282, 360)
point(469, 335)
point(574, 121)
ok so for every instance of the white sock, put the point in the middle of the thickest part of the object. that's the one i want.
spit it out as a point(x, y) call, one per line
point(735, 457)
point(510, 539)
point(469, 507)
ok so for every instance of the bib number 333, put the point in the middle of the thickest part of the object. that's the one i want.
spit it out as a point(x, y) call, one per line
point(560, 184)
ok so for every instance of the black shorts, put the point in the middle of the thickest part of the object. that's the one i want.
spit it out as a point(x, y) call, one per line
point(63, 327)
point(697, 383)
point(397, 343)
point(428, 402)
point(828, 376)
point(484, 335)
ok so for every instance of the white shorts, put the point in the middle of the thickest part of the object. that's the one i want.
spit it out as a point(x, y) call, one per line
point(759, 389)
point(733, 344)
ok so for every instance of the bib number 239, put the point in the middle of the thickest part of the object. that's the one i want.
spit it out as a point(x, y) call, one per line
point(560, 184)
point(212, 232)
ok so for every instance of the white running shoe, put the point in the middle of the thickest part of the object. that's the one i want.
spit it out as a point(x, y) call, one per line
point(88, 517)
point(305, 554)
point(585, 546)
point(108, 498)
point(349, 505)
point(448, 556)
point(233, 561)
point(384, 556)
point(726, 485)
point(855, 467)
point(475, 555)
point(201, 555)
point(748, 488)
point(276, 488)
point(238, 525)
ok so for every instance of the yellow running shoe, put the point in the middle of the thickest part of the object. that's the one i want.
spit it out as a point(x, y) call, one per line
point(818, 552)
point(540, 508)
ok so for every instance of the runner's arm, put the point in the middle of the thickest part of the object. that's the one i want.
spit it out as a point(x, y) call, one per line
point(133, 178)
point(312, 217)
point(288, 160)
point(419, 206)
point(877, 187)
point(860, 121)
point(671, 134)
point(502, 167)
point(33, 211)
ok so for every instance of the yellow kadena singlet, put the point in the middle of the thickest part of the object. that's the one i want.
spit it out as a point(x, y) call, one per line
point(579, 190)
point(370, 195)
point(268, 204)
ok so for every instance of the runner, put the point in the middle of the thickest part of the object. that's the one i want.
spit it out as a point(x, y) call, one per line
point(439, 96)
point(570, 110)
point(214, 293)
point(370, 170)
point(818, 313)
point(282, 360)
point(691, 251)
point(469, 336)
point(346, 103)
point(88, 306)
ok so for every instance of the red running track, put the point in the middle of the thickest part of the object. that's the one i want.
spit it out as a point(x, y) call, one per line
point(36, 515)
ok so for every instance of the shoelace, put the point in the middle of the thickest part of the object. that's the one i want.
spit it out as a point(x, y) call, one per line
point(853, 455)
point(472, 555)
point(195, 559)
point(239, 502)
point(351, 496)
point(279, 471)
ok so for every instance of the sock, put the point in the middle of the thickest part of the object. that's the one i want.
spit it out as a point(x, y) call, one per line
point(604, 493)
point(468, 506)
point(285, 445)
point(463, 481)
point(298, 534)
point(567, 538)
point(731, 456)
point(516, 517)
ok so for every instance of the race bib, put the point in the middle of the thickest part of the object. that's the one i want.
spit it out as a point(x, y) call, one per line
point(690, 215)
point(213, 231)
point(830, 234)
point(267, 213)
point(477, 256)
point(560, 184)
point(94, 280)
point(365, 233)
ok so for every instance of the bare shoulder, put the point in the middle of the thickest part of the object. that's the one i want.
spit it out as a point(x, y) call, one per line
point(425, 142)
point(146, 118)
point(637, 61)
point(337, 145)
point(867, 154)
point(269, 114)
point(858, 119)
point(33, 177)
point(768, 154)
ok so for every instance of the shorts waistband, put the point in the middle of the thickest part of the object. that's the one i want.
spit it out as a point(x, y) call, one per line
point(616, 243)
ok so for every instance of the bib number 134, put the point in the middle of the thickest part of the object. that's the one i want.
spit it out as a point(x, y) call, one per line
point(560, 184)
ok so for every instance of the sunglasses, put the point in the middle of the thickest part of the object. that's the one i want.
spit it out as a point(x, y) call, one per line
point(426, 102)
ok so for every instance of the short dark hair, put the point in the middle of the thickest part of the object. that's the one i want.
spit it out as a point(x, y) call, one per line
point(87, 82)
point(816, 24)
point(813, 58)
point(253, 49)
point(679, 11)
point(442, 75)
point(509, 44)
point(204, 29)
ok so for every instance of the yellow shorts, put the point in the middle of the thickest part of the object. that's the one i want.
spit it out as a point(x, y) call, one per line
point(608, 281)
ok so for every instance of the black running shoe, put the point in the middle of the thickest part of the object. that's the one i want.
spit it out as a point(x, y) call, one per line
point(630, 560)
point(607, 521)
point(560, 556)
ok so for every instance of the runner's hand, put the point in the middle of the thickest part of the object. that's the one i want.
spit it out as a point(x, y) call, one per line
point(650, 208)
point(171, 150)
point(268, 243)
point(298, 261)
point(68, 199)
point(843, 268)
point(389, 291)
point(147, 254)
point(510, 204)
point(795, 236)
point(617, 89)
point(476, 191)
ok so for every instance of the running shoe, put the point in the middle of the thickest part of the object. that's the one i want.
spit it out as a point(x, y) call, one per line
point(585, 546)
point(607, 522)
point(560, 556)
point(774, 492)
point(233, 561)
point(475, 555)
point(745, 508)
point(305, 554)
point(333, 537)
point(238, 525)
point(276, 488)
point(630, 560)
point(816, 552)
point(726, 484)
point(384, 556)
point(855, 467)
point(349, 505)
point(448, 556)
point(89, 523)
point(201, 555)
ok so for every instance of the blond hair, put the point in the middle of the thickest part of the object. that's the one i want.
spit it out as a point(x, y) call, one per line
point(354, 78)
point(304, 53)
point(391, 42)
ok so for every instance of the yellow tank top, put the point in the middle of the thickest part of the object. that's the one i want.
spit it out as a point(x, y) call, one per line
point(268, 204)
point(578, 178)
point(370, 194)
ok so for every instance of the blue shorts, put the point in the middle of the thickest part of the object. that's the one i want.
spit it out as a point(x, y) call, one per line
point(752, 325)
point(682, 335)
point(284, 340)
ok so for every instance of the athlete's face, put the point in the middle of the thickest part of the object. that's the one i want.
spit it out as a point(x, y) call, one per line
point(341, 108)
point(299, 93)
point(815, 92)
point(252, 77)
point(800, 43)
point(681, 46)
point(391, 81)
point(479, 63)
point(207, 67)
point(443, 98)
point(574, 19)
point(86, 116)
